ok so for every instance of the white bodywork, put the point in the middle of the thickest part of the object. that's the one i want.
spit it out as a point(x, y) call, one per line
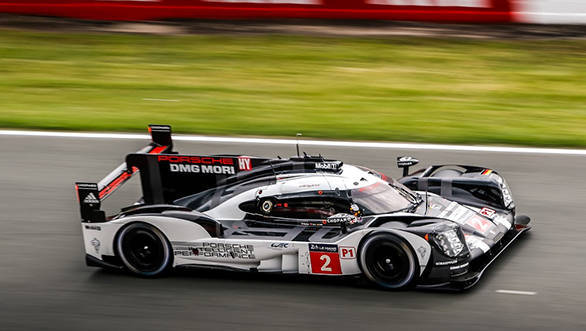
point(264, 256)
point(193, 245)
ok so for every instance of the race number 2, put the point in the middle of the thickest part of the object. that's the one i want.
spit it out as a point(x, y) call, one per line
point(325, 259)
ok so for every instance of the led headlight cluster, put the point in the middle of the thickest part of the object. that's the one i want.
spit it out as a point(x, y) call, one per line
point(449, 242)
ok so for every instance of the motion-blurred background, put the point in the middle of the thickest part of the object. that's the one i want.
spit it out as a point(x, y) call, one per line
point(491, 72)
point(328, 68)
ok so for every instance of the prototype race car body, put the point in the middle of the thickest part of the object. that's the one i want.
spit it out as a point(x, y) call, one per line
point(441, 226)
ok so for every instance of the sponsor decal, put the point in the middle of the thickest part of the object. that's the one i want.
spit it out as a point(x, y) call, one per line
point(279, 245)
point(440, 263)
point(159, 128)
point(91, 198)
point(199, 164)
point(456, 267)
point(507, 197)
point(323, 248)
point(502, 220)
point(93, 227)
point(244, 163)
point(324, 259)
point(96, 243)
point(463, 215)
point(406, 161)
point(204, 169)
point(479, 223)
point(486, 172)
point(487, 212)
point(327, 165)
point(308, 185)
point(90, 186)
point(215, 250)
point(422, 250)
point(474, 242)
point(196, 159)
point(348, 252)
point(341, 218)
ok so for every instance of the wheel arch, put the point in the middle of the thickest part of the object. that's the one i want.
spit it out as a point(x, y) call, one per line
point(419, 247)
point(174, 229)
point(118, 254)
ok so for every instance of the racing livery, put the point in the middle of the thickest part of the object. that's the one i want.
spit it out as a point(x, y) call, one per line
point(436, 227)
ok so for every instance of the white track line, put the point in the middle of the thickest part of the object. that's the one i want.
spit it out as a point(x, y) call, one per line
point(326, 143)
point(516, 292)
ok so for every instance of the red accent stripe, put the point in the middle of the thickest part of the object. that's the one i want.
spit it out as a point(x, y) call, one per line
point(125, 175)
point(114, 184)
point(158, 150)
point(369, 187)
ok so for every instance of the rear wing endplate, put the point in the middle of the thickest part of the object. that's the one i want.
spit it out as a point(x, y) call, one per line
point(91, 195)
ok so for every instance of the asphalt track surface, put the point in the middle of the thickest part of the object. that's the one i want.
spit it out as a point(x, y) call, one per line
point(44, 284)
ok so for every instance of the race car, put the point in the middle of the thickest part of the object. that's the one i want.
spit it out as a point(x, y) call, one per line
point(437, 227)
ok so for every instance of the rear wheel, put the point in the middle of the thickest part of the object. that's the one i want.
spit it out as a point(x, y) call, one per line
point(388, 261)
point(144, 250)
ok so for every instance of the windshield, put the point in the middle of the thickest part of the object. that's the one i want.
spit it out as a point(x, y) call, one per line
point(381, 198)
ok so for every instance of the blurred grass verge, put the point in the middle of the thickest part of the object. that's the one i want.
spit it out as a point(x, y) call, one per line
point(523, 92)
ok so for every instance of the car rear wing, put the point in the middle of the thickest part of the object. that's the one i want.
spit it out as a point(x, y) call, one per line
point(91, 195)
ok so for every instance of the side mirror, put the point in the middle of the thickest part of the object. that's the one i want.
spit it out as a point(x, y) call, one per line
point(405, 162)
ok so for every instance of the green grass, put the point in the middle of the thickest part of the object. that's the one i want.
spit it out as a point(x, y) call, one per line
point(403, 89)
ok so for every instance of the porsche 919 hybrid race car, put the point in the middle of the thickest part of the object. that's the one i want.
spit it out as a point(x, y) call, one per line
point(436, 227)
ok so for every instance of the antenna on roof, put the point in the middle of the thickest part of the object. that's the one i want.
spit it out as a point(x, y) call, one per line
point(297, 142)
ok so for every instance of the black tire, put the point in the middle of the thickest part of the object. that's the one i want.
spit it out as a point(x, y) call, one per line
point(388, 261)
point(144, 250)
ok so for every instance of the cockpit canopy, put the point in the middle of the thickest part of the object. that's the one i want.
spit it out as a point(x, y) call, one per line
point(355, 191)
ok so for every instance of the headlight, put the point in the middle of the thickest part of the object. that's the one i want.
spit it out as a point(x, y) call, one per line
point(449, 242)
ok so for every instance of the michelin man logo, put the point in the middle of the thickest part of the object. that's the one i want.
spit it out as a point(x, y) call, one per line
point(96, 243)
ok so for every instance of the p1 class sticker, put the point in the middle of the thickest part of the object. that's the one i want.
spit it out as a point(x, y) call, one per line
point(479, 223)
point(487, 212)
point(325, 259)
point(348, 252)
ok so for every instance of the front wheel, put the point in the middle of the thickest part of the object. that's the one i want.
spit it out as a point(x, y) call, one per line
point(388, 261)
point(144, 250)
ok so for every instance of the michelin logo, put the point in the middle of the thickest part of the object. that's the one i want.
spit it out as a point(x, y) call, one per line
point(204, 169)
